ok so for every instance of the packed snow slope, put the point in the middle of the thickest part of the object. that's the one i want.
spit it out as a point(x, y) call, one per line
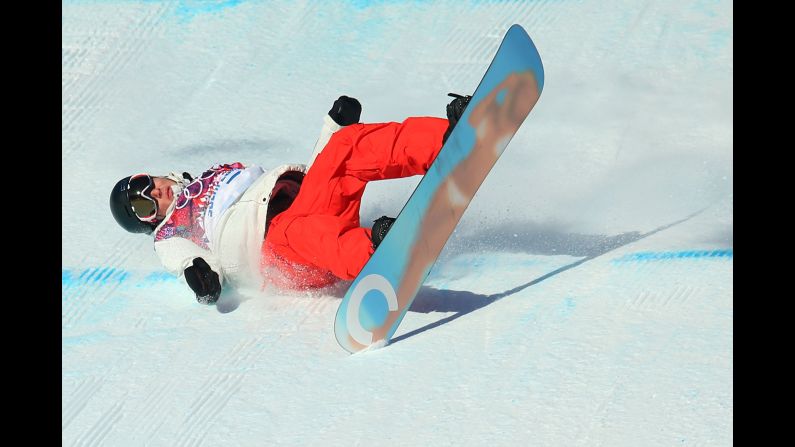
point(586, 298)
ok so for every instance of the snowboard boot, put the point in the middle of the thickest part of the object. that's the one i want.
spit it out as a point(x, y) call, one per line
point(380, 228)
point(454, 111)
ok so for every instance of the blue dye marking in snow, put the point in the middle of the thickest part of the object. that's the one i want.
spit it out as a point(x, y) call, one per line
point(362, 4)
point(105, 277)
point(668, 255)
point(159, 277)
point(122, 276)
point(92, 275)
point(97, 275)
point(188, 9)
point(88, 275)
point(82, 274)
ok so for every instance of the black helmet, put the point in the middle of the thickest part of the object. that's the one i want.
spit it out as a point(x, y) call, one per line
point(122, 210)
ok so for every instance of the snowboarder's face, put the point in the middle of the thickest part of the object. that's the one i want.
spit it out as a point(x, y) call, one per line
point(163, 194)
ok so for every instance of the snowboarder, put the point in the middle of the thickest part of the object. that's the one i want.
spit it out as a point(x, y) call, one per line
point(297, 226)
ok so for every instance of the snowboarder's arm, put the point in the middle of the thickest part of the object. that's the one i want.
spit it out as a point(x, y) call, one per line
point(344, 112)
point(178, 254)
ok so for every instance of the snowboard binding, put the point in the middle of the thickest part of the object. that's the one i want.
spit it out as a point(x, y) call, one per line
point(454, 111)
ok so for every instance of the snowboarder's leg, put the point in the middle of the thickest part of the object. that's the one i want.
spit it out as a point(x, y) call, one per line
point(391, 150)
point(360, 153)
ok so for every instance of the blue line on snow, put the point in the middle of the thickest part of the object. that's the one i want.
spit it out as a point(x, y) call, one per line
point(665, 255)
point(102, 275)
point(188, 9)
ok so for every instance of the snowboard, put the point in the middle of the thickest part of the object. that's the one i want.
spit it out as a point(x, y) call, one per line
point(380, 296)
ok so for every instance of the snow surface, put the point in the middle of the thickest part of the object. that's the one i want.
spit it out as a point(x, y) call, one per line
point(586, 298)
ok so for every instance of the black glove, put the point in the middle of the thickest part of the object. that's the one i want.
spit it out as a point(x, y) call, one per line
point(454, 111)
point(345, 111)
point(203, 281)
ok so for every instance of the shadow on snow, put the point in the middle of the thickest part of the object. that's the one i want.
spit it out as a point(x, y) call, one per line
point(463, 302)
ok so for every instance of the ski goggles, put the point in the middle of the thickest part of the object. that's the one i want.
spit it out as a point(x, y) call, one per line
point(143, 205)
